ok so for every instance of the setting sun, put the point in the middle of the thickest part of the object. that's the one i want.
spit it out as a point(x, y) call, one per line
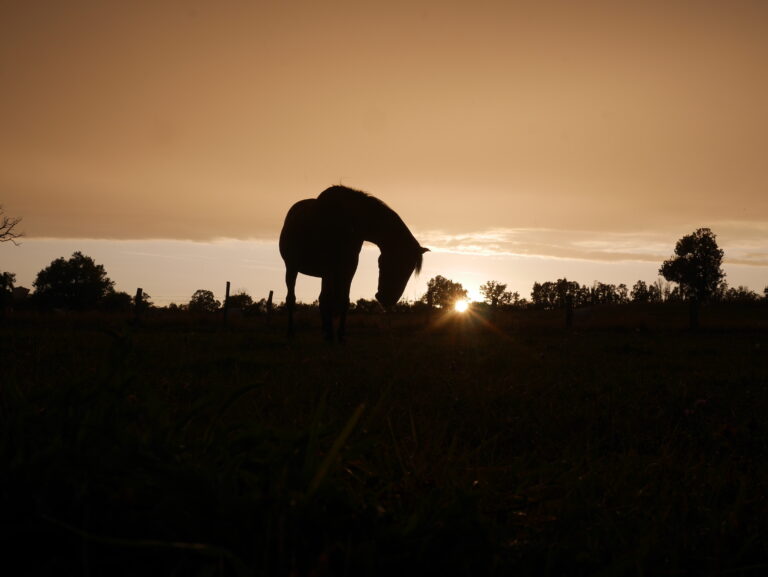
point(461, 306)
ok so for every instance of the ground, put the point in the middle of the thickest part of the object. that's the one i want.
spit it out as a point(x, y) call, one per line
point(453, 444)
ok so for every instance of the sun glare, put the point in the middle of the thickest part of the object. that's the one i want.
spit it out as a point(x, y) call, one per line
point(461, 306)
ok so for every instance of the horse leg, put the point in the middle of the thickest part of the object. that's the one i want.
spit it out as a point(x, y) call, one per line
point(343, 302)
point(343, 293)
point(326, 307)
point(290, 300)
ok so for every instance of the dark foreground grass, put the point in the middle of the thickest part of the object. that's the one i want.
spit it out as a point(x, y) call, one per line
point(456, 448)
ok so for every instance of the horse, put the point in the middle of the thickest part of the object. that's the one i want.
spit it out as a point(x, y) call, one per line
point(323, 236)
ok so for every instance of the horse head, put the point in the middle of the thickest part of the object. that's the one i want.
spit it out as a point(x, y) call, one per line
point(395, 268)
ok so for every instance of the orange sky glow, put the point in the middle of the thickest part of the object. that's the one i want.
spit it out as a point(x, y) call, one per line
point(520, 141)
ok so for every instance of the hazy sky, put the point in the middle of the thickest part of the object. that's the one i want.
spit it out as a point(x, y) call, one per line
point(504, 133)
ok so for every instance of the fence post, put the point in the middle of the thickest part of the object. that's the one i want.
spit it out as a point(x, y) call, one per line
point(138, 303)
point(269, 308)
point(226, 303)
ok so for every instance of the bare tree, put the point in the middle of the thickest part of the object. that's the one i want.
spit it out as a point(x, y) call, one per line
point(7, 224)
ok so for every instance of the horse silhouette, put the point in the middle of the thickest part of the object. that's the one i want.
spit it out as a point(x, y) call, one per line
point(323, 236)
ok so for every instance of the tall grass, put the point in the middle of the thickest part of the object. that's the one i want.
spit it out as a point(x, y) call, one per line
point(460, 447)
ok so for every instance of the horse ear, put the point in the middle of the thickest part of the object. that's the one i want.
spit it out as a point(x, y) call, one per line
point(423, 250)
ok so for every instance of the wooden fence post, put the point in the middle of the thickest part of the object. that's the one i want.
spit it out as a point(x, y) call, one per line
point(226, 303)
point(269, 308)
point(138, 304)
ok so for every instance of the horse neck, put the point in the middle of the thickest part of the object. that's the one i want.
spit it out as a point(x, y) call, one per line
point(385, 229)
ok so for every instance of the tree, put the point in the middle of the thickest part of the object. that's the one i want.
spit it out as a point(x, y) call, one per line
point(567, 291)
point(120, 301)
point(7, 225)
point(496, 294)
point(78, 283)
point(696, 269)
point(146, 301)
point(740, 294)
point(203, 301)
point(117, 301)
point(660, 290)
point(6, 282)
point(640, 292)
point(696, 266)
point(6, 290)
point(443, 293)
point(367, 306)
point(654, 293)
point(552, 295)
point(622, 292)
point(240, 300)
point(606, 294)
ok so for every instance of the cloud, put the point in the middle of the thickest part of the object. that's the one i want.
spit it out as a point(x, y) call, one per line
point(743, 243)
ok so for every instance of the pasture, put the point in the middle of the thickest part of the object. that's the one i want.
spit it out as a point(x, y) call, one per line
point(462, 446)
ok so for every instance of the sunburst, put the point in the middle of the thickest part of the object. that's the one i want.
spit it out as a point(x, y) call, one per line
point(461, 306)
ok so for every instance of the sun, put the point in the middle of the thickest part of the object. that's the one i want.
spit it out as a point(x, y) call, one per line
point(461, 306)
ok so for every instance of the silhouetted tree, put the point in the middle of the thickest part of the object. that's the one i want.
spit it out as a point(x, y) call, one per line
point(568, 293)
point(544, 295)
point(6, 282)
point(6, 290)
point(78, 283)
point(622, 293)
point(117, 301)
point(7, 226)
point(443, 293)
point(696, 266)
point(240, 300)
point(696, 269)
point(558, 294)
point(496, 294)
point(654, 293)
point(640, 292)
point(146, 301)
point(606, 294)
point(662, 289)
point(541, 295)
point(367, 306)
point(259, 307)
point(203, 301)
point(673, 294)
point(740, 294)
point(765, 293)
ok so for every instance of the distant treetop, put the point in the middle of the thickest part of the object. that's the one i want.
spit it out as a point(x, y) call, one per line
point(696, 266)
point(77, 283)
point(443, 293)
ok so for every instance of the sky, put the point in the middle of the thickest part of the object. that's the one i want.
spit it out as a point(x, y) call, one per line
point(520, 141)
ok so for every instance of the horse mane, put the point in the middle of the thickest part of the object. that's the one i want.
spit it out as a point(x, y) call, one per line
point(419, 262)
point(339, 192)
point(345, 194)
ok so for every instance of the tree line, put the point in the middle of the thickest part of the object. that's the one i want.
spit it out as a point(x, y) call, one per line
point(693, 275)
point(80, 284)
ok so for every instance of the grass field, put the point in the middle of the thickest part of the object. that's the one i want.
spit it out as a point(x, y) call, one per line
point(624, 446)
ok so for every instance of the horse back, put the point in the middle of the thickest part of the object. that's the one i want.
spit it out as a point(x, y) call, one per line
point(316, 239)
